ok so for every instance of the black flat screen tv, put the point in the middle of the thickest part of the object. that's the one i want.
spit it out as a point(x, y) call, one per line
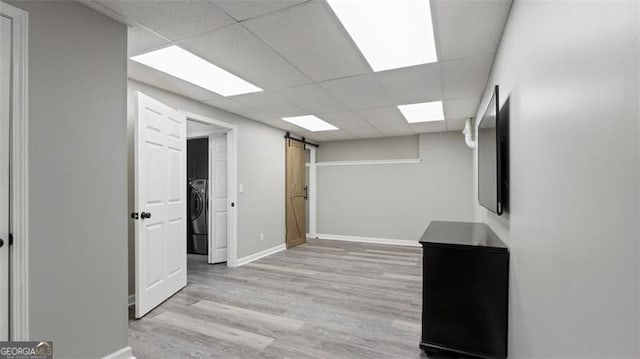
point(492, 137)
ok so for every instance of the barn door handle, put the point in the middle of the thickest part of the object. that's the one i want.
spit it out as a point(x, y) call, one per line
point(306, 192)
point(145, 215)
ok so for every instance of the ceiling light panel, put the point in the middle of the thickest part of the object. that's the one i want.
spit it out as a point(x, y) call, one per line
point(422, 112)
point(184, 65)
point(389, 33)
point(311, 123)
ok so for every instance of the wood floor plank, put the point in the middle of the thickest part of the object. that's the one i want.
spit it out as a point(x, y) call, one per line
point(215, 331)
point(406, 257)
point(326, 248)
point(415, 278)
point(239, 313)
point(398, 252)
point(414, 327)
point(296, 271)
point(372, 260)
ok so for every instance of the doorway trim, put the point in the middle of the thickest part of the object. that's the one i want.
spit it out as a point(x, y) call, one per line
point(19, 225)
point(232, 183)
point(313, 231)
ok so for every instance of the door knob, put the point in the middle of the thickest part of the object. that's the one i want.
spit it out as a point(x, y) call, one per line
point(134, 215)
point(144, 215)
point(1, 242)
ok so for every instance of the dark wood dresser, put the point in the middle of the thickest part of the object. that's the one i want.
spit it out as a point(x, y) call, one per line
point(465, 290)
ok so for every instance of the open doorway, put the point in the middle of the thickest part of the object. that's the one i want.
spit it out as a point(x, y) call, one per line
point(207, 191)
point(212, 176)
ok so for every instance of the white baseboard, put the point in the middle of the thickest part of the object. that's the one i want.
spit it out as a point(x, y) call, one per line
point(261, 254)
point(132, 300)
point(374, 240)
point(124, 353)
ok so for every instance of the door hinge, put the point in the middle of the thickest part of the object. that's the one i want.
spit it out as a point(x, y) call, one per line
point(10, 239)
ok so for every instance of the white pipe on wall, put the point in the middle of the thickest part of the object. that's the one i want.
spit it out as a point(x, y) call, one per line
point(468, 134)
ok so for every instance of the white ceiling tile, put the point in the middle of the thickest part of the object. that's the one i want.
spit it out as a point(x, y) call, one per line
point(365, 132)
point(460, 108)
point(426, 127)
point(455, 124)
point(275, 122)
point(283, 125)
point(383, 116)
point(175, 20)
point(466, 77)
point(140, 41)
point(313, 136)
point(268, 104)
point(466, 28)
point(311, 97)
point(311, 38)
point(293, 129)
point(358, 92)
point(422, 83)
point(344, 120)
point(153, 77)
point(238, 51)
point(231, 106)
point(318, 138)
point(246, 9)
point(395, 130)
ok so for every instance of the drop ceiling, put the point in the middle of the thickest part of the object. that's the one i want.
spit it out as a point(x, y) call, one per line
point(307, 64)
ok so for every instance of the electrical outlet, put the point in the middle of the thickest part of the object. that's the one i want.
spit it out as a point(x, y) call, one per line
point(262, 236)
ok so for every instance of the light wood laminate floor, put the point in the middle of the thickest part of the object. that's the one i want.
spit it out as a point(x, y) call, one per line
point(323, 299)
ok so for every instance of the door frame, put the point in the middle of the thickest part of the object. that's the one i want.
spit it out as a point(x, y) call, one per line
point(312, 231)
point(232, 183)
point(19, 191)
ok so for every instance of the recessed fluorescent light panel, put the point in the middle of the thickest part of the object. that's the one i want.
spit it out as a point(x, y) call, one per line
point(184, 65)
point(389, 33)
point(422, 112)
point(311, 123)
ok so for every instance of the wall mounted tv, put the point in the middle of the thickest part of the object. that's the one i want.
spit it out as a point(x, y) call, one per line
point(493, 152)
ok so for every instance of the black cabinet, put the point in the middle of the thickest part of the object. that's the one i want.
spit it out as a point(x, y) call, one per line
point(465, 290)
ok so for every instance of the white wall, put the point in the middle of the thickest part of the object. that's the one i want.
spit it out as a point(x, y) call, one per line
point(386, 148)
point(77, 179)
point(260, 170)
point(394, 201)
point(571, 70)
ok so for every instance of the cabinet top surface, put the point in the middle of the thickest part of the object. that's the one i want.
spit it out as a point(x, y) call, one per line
point(461, 233)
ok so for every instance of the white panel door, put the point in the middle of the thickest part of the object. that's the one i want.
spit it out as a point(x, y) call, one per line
point(5, 117)
point(160, 201)
point(219, 198)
